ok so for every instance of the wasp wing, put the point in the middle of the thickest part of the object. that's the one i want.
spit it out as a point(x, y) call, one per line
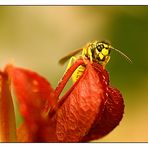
point(68, 56)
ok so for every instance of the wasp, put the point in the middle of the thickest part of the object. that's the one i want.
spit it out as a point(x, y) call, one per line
point(95, 51)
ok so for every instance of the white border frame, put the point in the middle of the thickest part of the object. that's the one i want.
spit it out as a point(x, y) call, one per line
point(73, 2)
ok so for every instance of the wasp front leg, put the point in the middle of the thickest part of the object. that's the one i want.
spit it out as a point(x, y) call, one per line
point(107, 58)
point(90, 55)
point(87, 53)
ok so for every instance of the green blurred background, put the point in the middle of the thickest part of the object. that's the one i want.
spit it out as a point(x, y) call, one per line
point(36, 37)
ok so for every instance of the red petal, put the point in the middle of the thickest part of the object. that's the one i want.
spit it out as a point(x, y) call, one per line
point(112, 112)
point(34, 93)
point(82, 104)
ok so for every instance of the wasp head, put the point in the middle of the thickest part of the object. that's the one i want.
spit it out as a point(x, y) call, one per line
point(101, 51)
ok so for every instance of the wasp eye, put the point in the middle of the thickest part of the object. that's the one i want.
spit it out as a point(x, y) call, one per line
point(99, 48)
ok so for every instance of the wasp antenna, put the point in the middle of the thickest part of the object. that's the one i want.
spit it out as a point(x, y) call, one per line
point(121, 53)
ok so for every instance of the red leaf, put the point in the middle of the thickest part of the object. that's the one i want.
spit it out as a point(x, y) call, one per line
point(90, 109)
point(82, 104)
point(7, 115)
point(112, 112)
point(24, 134)
point(44, 133)
point(34, 93)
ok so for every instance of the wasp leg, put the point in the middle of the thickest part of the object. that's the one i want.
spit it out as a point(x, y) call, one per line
point(85, 54)
point(107, 58)
point(90, 55)
point(71, 61)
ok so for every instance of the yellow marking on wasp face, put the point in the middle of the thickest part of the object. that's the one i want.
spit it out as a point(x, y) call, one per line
point(101, 56)
point(105, 51)
point(105, 45)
